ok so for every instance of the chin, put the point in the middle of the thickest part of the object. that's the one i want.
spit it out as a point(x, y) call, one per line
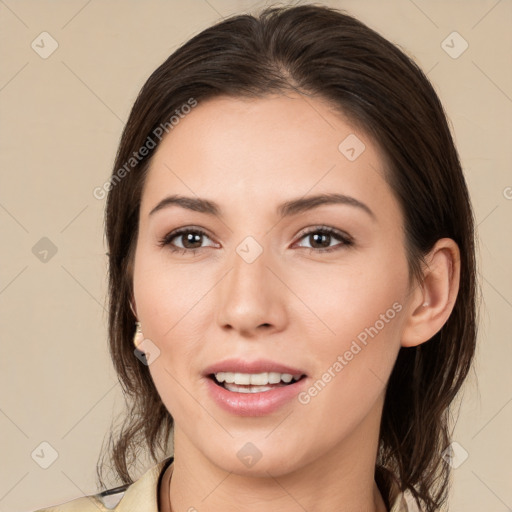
point(256, 459)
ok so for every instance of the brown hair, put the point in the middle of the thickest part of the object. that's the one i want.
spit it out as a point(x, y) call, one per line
point(319, 52)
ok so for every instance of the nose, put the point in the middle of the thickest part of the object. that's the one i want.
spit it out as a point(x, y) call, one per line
point(252, 297)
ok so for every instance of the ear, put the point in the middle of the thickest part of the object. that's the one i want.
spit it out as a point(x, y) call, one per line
point(433, 299)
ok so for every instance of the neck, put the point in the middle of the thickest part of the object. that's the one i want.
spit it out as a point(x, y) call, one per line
point(340, 480)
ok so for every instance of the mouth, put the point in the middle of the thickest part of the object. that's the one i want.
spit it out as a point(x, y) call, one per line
point(253, 388)
point(254, 382)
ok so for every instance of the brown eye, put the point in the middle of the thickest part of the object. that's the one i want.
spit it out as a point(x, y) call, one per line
point(191, 240)
point(321, 238)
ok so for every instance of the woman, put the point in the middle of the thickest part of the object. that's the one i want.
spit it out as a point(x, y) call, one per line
point(291, 251)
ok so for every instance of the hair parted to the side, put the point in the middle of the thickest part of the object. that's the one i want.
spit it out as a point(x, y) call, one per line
point(323, 53)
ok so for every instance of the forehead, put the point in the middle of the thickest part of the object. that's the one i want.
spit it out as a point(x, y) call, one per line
point(266, 150)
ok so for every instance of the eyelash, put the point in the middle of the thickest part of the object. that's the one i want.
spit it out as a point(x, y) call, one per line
point(346, 240)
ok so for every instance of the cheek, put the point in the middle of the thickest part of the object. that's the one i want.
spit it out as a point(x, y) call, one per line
point(351, 366)
point(347, 301)
point(173, 307)
point(166, 295)
point(354, 335)
point(169, 373)
point(169, 308)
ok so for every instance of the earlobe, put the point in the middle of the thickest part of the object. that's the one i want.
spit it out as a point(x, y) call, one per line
point(433, 299)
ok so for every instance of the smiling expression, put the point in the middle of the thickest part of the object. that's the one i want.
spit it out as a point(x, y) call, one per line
point(236, 260)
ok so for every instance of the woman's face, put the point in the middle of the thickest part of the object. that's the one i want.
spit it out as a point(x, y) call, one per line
point(261, 288)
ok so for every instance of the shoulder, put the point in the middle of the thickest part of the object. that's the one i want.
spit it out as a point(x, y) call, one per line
point(141, 495)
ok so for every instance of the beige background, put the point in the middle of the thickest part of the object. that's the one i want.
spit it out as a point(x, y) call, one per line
point(61, 119)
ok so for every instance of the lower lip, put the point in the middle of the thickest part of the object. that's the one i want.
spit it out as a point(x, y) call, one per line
point(254, 404)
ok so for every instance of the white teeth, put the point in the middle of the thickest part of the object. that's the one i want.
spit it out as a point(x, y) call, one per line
point(255, 379)
point(242, 389)
point(242, 378)
point(273, 378)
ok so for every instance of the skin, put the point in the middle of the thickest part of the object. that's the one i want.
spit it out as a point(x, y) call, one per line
point(294, 304)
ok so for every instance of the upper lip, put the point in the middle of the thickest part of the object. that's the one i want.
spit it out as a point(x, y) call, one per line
point(257, 366)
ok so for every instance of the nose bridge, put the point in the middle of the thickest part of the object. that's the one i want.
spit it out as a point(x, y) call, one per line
point(250, 295)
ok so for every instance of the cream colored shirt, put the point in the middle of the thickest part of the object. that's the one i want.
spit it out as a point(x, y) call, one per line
point(142, 496)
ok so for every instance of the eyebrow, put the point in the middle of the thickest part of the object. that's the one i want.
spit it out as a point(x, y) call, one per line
point(286, 209)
